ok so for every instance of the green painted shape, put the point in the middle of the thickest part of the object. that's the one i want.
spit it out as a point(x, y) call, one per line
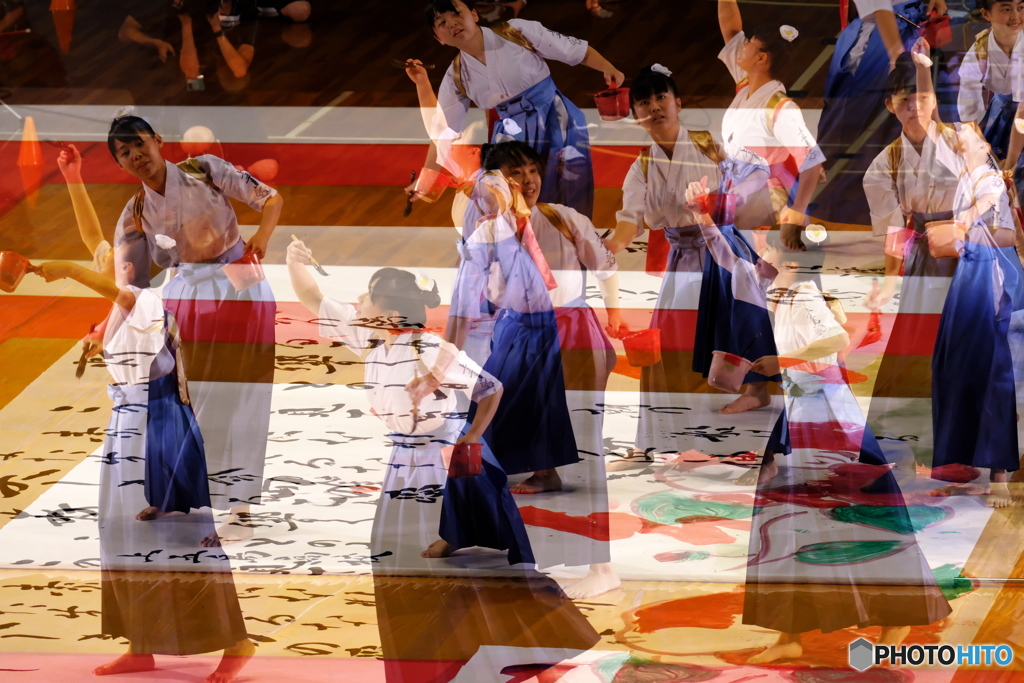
point(952, 581)
point(908, 519)
point(665, 507)
point(848, 552)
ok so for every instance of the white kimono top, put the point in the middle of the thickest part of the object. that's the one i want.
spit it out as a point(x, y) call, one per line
point(135, 342)
point(924, 183)
point(389, 370)
point(510, 69)
point(745, 127)
point(566, 259)
point(200, 221)
point(660, 199)
point(1001, 75)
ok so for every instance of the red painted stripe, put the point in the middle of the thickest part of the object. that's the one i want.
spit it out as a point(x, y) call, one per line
point(70, 317)
point(299, 164)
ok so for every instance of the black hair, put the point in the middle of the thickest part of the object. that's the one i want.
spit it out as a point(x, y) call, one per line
point(127, 129)
point(135, 250)
point(513, 153)
point(436, 8)
point(774, 45)
point(903, 77)
point(396, 290)
point(988, 4)
point(649, 83)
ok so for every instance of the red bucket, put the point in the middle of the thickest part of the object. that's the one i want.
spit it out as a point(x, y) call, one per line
point(937, 30)
point(467, 460)
point(13, 267)
point(727, 371)
point(643, 347)
point(723, 207)
point(613, 104)
point(245, 272)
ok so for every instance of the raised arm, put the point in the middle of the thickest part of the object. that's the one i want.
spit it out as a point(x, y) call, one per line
point(729, 20)
point(298, 257)
point(101, 284)
point(238, 60)
point(70, 164)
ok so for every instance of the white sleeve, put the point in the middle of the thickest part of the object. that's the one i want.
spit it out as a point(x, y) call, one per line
point(336, 318)
point(730, 53)
point(634, 197)
point(883, 196)
point(970, 101)
point(455, 370)
point(819, 314)
point(590, 248)
point(748, 285)
point(240, 185)
point(551, 44)
point(147, 315)
point(791, 130)
point(866, 8)
point(1017, 69)
point(452, 107)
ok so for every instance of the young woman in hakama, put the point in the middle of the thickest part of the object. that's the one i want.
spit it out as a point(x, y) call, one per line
point(417, 384)
point(502, 264)
point(387, 329)
point(571, 247)
point(989, 72)
point(832, 544)
point(855, 94)
point(974, 402)
point(503, 68)
point(907, 187)
point(764, 127)
point(227, 328)
point(163, 589)
point(653, 197)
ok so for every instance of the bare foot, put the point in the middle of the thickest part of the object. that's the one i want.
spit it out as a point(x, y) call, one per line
point(539, 482)
point(232, 662)
point(439, 548)
point(126, 664)
point(893, 635)
point(599, 580)
point(790, 650)
point(635, 458)
point(960, 490)
point(212, 540)
point(999, 495)
point(149, 514)
point(748, 478)
point(768, 470)
point(744, 403)
point(236, 528)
